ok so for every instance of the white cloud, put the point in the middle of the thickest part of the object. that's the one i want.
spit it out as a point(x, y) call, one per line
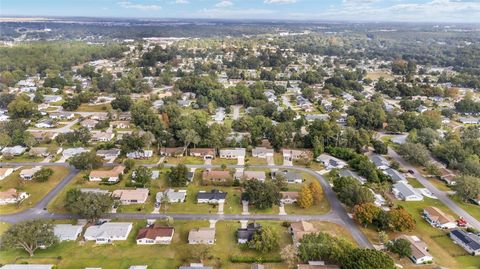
point(181, 2)
point(234, 13)
point(280, 1)
point(143, 7)
point(224, 3)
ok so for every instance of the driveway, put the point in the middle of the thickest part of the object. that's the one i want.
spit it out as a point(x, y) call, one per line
point(236, 112)
point(441, 195)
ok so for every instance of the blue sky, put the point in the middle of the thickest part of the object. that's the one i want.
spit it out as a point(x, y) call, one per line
point(353, 10)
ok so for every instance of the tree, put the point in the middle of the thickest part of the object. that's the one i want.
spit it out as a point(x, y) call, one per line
point(122, 102)
point(21, 107)
point(289, 255)
point(305, 197)
point(43, 174)
point(323, 247)
point(401, 247)
point(316, 190)
point(380, 147)
point(178, 176)
point(188, 136)
point(143, 175)
point(400, 220)
point(262, 195)
point(88, 205)
point(365, 213)
point(86, 161)
point(264, 240)
point(281, 182)
point(29, 235)
point(351, 192)
point(416, 153)
point(71, 104)
point(467, 187)
point(132, 142)
point(362, 258)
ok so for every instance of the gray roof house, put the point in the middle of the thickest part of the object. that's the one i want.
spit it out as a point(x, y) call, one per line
point(173, 196)
point(380, 162)
point(212, 197)
point(468, 241)
point(195, 266)
point(404, 191)
point(232, 153)
point(394, 175)
point(349, 173)
point(67, 232)
point(27, 266)
point(108, 232)
point(290, 177)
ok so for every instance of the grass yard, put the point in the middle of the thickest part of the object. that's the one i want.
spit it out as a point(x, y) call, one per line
point(123, 254)
point(278, 158)
point(36, 190)
point(94, 108)
point(472, 209)
point(439, 184)
point(255, 161)
point(375, 75)
point(220, 161)
point(443, 250)
point(22, 158)
point(321, 208)
point(184, 160)
point(3, 227)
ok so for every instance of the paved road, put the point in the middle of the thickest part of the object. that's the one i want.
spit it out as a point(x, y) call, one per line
point(441, 195)
point(337, 214)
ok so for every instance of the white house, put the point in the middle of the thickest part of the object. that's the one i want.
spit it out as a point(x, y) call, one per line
point(419, 249)
point(172, 195)
point(438, 219)
point(330, 162)
point(404, 191)
point(468, 241)
point(27, 174)
point(232, 153)
point(67, 232)
point(108, 232)
point(12, 196)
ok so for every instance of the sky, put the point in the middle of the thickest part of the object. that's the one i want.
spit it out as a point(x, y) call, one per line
point(467, 11)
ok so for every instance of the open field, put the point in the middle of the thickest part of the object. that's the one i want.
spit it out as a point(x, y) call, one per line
point(36, 190)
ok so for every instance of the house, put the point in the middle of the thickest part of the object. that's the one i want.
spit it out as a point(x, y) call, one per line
point(447, 176)
point(317, 265)
point(290, 177)
point(205, 153)
point(257, 266)
point(380, 161)
point(158, 104)
point(99, 116)
point(172, 152)
point(216, 176)
point(128, 197)
point(42, 136)
point(249, 175)
point(13, 151)
point(298, 229)
point(46, 123)
point(195, 266)
point(289, 197)
point(438, 219)
point(67, 232)
point(38, 152)
point(314, 117)
point(112, 175)
point(232, 153)
point(262, 152)
point(404, 191)
point(155, 235)
point(470, 120)
point(141, 154)
point(349, 173)
point(27, 174)
point(468, 241)
point(68, 153)
point(120, 124)
point(108, 153)
point(244, 235)
point(172, 195)
point(98, 136)
point(108, 232)
point(330, 162)
point(138, 267)
point(295, 154)
point(212, 197)
point(419, 249)
point(61, 115)
point(28, 266)
point(5, 172)
point(12, 196)
point(89, 123)
point(201, 236)
point(52, 99)
point(394, 175)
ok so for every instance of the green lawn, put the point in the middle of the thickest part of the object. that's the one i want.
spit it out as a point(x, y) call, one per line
point(472, 209)
point(123, 254)
point(220, 161)
point(36, 190)
point(22, 158)
point(443, 250)
point(255, 161)
point(184, 160)
point(94, 108)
